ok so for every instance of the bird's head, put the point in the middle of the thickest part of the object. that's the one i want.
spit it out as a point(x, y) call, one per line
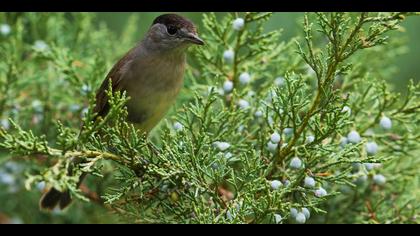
point(172, 32)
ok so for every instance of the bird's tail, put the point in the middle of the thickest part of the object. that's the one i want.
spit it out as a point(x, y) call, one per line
point(53, 198)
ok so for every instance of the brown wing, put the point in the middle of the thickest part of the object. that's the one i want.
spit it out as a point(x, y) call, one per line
point(116, 74)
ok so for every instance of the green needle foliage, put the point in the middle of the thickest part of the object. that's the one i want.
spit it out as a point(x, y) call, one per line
point(264, 128)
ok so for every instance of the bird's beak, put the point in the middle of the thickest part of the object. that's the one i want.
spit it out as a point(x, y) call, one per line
point(193, 38)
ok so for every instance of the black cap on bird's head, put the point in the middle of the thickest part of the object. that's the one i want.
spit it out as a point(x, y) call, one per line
point(178, 28)
point(176, 21)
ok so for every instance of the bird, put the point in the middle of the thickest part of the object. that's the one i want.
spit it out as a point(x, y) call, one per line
point(151, 74)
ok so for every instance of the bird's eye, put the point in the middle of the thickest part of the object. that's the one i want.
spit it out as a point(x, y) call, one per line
point(172, 30)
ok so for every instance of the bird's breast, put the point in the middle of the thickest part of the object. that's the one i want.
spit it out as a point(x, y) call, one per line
point(153, 88)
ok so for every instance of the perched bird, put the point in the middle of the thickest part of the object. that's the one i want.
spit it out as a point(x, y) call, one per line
point(152, 74)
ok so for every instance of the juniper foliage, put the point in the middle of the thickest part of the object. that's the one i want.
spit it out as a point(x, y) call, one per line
point(324, 92)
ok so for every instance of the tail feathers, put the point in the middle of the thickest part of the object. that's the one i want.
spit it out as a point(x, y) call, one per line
point(53, 197)
point(65, 200)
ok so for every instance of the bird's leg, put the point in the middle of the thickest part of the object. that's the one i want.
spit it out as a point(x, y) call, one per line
point(152, 147)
